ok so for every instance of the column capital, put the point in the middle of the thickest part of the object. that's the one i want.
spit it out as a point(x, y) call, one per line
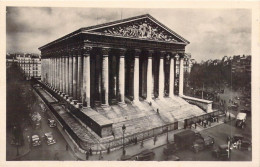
point(86, 50)
point(176, 56)
point(121, 52)
point(162, 53)
point(105, 51)
point(137, 53)
point(150, 53)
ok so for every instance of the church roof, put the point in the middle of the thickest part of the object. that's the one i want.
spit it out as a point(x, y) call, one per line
point(138, 27)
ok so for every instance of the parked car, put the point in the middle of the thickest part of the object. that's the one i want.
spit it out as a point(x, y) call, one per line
point(49, 138)
point(222, 152)
point(202, 143)
point(145, 155)
point(52, 123)
point(171, 148)
point(35, 140)
point(245, 111)
point(126, 158)
point(241, 120)
point(246, 145)
point(172, 158)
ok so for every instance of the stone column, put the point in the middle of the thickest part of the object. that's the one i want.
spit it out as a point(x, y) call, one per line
point(161, 76)
point(64, 74)
point(67, 73)
point(80, 76)
point(56, 73)
point(60, 73)
point(105, 76)
point(121, 75)
point(75, 75)
point(51, 72)
point(181, 77)
point(149, 81)
point(70, 75)
point(171, 79)
point(136, 75)
point(42, 71)
point(86, 77)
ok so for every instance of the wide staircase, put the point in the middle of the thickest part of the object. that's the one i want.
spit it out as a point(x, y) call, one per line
point(141, 116)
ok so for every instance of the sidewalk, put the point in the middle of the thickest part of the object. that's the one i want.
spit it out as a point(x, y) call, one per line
point(11, 150)
point(133, 150)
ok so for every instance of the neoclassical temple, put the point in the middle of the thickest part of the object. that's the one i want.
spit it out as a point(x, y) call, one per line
point(122, 73)
point(102, 65)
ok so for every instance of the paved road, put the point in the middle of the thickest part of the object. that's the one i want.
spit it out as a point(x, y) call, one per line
point(44, 152)
point(219, 133)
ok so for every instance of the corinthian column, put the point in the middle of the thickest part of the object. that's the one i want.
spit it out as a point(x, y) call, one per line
point(161, 76)
point(75, 75)
point(136, 76)
point(71, 74)
point(105, 76)
point(67, 73)
point(149, 77)
point(80, 77)
point(171, 79)
point(181, 77)
point(121, 76)
point(86, 77)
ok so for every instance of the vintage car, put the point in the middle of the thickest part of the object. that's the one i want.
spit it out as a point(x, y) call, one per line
point(171, 148)
point(49, 138)
point(36, 140)
point(145, 155)
point(202, 143)
point(52, 123)
point(222, 152)
point(172, 158)
point(126, 158)
point(241, 120)
point(246, 145)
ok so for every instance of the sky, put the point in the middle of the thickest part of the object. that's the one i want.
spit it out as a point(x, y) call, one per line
point(213, 33)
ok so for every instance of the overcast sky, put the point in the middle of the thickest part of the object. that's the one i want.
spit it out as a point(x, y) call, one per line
point(212, 33)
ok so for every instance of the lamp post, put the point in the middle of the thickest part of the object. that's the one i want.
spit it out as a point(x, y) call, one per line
point(123, 129)
point(167, 135)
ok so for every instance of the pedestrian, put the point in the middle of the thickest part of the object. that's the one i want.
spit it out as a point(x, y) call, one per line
point(100, 155)
point(239, 144)
point(67, 147)
point(195, 125)
point(90, 151)
point(135, 140)
point(154, 140)
point(56, 156)
point(142, 144)
point(157, 110)
point(87, 155)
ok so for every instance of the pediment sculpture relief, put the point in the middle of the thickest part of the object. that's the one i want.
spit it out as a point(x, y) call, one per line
point(141, 30)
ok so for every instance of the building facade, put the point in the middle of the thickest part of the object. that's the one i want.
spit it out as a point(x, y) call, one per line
point(103, 64)
point(30, 64)
point(241, 64)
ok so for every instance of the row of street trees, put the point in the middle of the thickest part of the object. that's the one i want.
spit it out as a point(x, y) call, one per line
point(214, 75)
point(19, 100)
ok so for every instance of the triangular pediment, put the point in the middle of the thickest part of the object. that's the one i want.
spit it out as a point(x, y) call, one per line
point(140, 27)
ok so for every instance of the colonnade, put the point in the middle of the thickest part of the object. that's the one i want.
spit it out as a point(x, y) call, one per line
point(69, 74)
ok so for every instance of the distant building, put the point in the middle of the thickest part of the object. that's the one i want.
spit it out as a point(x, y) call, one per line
point(241, 64)
point(30, 64)
point(10, 60)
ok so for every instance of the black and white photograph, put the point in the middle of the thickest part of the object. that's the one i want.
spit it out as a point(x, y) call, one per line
point(128, 84)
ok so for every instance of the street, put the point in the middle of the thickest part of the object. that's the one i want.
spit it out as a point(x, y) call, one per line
point(56, 151)
point(219, 133)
